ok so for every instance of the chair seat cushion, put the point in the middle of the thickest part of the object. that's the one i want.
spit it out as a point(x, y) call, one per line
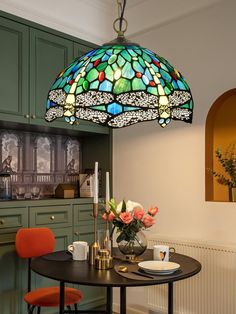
point(50, 296)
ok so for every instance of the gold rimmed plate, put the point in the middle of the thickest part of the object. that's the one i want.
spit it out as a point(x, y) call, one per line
point(158, 267)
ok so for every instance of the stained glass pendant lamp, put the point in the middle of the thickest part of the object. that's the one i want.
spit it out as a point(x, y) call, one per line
point(120, 84)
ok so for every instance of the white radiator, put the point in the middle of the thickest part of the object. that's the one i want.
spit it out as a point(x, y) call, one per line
point(212, 291)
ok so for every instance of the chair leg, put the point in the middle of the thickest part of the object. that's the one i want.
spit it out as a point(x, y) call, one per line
point(39, 310)
point(69, 308)
point(31, 309)
point(76, 308)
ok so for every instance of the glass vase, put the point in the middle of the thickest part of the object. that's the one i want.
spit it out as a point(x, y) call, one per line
point(133, 247)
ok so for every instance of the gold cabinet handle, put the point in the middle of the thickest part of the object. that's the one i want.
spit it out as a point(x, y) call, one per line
point(76, 233)
point(27, 116)
point(52, 217)
point(33, 116)
point(2, 221)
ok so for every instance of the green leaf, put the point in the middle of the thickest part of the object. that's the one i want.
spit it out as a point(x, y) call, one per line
point(123, 209)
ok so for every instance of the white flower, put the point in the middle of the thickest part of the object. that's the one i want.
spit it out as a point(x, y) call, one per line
point(130, 206)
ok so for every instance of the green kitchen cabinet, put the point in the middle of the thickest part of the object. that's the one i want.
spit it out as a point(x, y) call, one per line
point(49, 54)
point(13, 270)
point(14, 58)
point(31, 57)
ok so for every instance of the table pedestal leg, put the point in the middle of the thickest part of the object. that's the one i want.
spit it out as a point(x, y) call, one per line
point(170, 298)
point(122, 300)
point(109, 300)
point(62, 295)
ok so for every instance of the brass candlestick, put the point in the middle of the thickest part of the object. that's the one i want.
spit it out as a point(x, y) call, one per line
point(94, 247)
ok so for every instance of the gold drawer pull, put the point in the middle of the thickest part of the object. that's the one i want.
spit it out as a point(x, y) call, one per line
point(76, 233)
point(52, 217)
point(2, 221)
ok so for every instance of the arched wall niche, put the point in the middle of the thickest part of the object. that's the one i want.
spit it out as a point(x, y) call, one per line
point(219, 133)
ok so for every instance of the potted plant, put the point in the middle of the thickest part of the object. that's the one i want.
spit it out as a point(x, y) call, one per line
point(228, 163)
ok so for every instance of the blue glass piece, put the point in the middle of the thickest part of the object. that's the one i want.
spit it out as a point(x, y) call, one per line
point(72, 119)
point(105, 57)
point(145, 79)
point(166, 76)
point(148, 74)
point(67, 119)
point(168, 121)
point(69, 78)
point(155, 68)
point(76, 74)
point(137, 67)
point(114, 108)
point(67, 88)
point(89, 67)
point(105, 86)
point(132, 53)
point(174, 84)
point(57, 83)
point(127, 71)
point(164, 67)
point(63, 82)
point(191, 104)
point(67, 72)
point(161, 121)
point(138, 51)
point(94, 85)
point(127, 108)
point(181, 85)
point(162, 82)
point(49, 104)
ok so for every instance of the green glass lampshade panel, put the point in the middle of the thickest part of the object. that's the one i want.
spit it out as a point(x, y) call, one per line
point(119, 85)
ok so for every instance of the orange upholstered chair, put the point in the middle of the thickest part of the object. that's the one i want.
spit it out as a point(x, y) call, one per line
point(32, 242)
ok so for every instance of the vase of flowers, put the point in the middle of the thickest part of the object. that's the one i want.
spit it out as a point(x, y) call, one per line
point(129, 218)
point(228, 163)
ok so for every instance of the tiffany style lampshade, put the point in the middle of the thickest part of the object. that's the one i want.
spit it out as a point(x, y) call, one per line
point(119, 84)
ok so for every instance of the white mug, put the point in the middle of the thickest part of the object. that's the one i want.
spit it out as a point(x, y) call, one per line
point(162, 252)
point(79, 250)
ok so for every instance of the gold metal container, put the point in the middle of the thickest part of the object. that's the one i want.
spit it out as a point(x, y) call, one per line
point(103, 260)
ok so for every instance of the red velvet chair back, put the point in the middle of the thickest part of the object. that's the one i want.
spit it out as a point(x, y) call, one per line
point(32, 242)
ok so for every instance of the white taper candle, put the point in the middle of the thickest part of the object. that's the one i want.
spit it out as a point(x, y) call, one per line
point(95, 199)
point(107, 188)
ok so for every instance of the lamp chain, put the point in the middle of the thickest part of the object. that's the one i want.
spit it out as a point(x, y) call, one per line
point(121, 9)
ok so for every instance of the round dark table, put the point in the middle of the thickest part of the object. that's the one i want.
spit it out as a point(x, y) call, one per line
point(60, 266)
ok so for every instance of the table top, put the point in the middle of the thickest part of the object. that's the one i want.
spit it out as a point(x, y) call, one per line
point(60, 266)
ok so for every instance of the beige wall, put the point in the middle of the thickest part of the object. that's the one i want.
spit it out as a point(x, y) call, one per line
point(166, 166)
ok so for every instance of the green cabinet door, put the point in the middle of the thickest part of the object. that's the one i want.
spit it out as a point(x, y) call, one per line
point(13, 270)
point(49, 54)
point(14, 57)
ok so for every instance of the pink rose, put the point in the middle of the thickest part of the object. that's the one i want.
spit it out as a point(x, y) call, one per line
point(138, 213)
point(111, 216)
point(148, 221)
point(153, 211)
point(108, 216)
point(126, 217)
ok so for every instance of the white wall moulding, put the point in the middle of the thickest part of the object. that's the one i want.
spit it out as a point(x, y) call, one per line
point(212, 291)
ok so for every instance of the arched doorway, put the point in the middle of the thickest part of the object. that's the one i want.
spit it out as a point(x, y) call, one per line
point(220, 132)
